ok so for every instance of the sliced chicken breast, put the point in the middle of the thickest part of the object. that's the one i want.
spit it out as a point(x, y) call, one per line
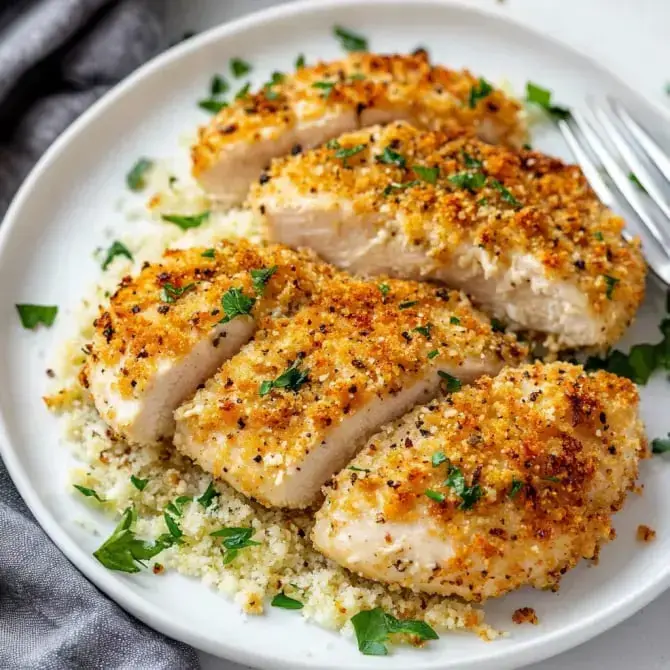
point(520, 232)
point(506, 483)
point(170, 328)
point(287, 412)
point(318, 103)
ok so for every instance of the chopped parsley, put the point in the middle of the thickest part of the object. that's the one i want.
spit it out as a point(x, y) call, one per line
point(482, 202)
point(454, 321)
point(234, 539)
point(611, 283)
point(552, 479)
point(428, 174)
point(357, 469)
point(89, 493)
point(332, 144)
point(350, 41)
point(423, 330)
point(390, 157)
point(325, 87)
point(633, 177)
point(136, 178)
point(170, 292)
point(384, 289)
point(598, 235)
point(260, 277)
point(122, 551)
point(235, 304)
point(139, 484)
point(469, 494)
point(117, 249)
point(218, 85)
point(497, 326)
point(292, 379)
point(208, 253)
point(542, 98)
point(32, 315)
point(400, 186)
point(435, 495)
point(472, 163)
point(177, 507)
point(286, 603)
point(452, 384)
point(212, 105)
point(432, 354)
point(516, 486)
point(207, 498)
point(300, 61)
point(660, 445)
point(472, 181)
point(277, 78)
point(438, 458)
point(504, 193)
point(243, 92)
point(373, 628)
point(186, 222)
point(482, 89)
point(173, 528)
point(344, 154)
point(239, 67)
point(407, 304)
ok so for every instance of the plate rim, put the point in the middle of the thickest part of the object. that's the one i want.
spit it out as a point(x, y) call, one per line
point(526, 652)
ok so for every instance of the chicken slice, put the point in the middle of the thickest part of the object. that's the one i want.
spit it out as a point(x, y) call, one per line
point(506, 483)
point(520, 232)
point(318, 103)
point(288, 411)
point(165, 332)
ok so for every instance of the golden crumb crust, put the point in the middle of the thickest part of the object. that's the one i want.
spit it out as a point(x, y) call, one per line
point(173, 304)
point(353, 344)
point(551, 450)
point(431, 95)
point(504, 202)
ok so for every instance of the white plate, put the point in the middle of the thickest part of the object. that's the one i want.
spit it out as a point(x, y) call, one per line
point(66, 209)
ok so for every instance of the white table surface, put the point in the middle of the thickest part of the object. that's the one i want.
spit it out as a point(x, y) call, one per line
point(631, 37)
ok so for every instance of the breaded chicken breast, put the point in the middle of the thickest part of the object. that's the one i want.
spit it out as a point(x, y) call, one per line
point(167, 330)
point(287, 412)
point(505, 483)
point(522, 233)
point(317, 103)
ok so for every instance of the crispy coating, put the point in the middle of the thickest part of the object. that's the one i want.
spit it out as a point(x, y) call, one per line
point(516, 203)
point(553, 451)
point(355, 345)
point(366, 84)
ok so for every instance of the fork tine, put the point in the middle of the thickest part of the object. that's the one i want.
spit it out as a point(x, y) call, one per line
point(638, 168)
point(652, 149)
point(620, 178)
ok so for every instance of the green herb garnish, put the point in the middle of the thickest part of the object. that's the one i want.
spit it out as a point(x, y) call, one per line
point(497, 326)
point(286, 603)
point(234, 539)
point(173, 527)
point(325, 87)
point(136, 178)
point(428, 174)
point(239, 67)
point(344, 154)
point(454, 321)
point(598, 235)
point(407, 304)
point(542, 97)
point(373, 628)
point(438, 458)
point(207, 498)
point(211, 105)
point(218, 85)
point(139, 484)
point(170, 292)
point(482, 89)
point(423, 330)
point(452, 384)
point(469, 494)
point(260, 277)
point(384, 289)
point(398, 186)
point(243, 92)
point(472, 163)
point(32, 315)
point(186, 222)
point(89, 493)
point(517, 485)
point(357, 469)
point(432, 354)
point(300, 61)
point(633, 177)
point(472, 181)
point(660, 445)
point(350, 41)
point(208, 253)
point(435, 495)
point(292, 379)
point(390, 157)
point(504, 193)
point(116, 249)
point(235, 304)
point(611, 283)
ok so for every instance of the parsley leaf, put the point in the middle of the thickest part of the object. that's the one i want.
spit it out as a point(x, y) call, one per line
point(300, 61)
point(390, 157)
point(452, 384)
point(454, 321)
point(599, 236)
point(31, 315)
point(438, 458)
point(407, 304)
point(117, 249)
point(373, 628)
point(173, 527)
point(286, 603)
point(243, 92)
point(472, 163)
point(139, 484)
point(212, 105)
point(350, 41)
point(136, 178)
point(428, 174)
point(326, 87)
point(357, 469)
point(472, 181)
point(186, 222)
point(399, 186)
point(292, 379)
point(611, 283)
point(469, 494)
point(122, 551)
point(660, 445)
point(504, 193)
point(234, 539)
point(384, 289)
point(208, 253)
point(432, 354)
point(497, 326)
point(207, 498)
point(633, 177)
point(435, 495)
point(482, 89)
point(235, 304)
point(89, 493)
point(260, 277)
point(542, 98)
point(516, 486)
point(218, 85)
point(239, 67)
point(423, 330)
point(344, 154)
point(170, 292)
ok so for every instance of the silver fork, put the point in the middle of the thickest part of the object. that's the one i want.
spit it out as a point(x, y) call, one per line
point(643, 157)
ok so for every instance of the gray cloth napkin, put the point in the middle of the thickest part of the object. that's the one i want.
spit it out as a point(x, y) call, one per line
point(56, 58)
